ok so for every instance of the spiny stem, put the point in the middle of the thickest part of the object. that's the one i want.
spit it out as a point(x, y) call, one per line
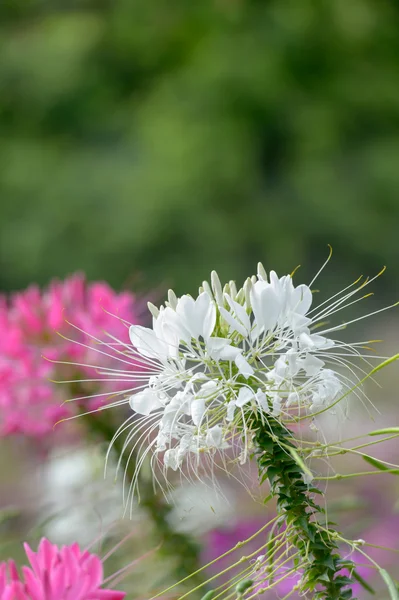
point(298, 511)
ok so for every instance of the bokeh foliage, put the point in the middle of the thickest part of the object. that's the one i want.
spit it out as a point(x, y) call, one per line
point(171, 137)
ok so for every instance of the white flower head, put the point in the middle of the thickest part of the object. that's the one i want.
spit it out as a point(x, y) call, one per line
point(211, 365)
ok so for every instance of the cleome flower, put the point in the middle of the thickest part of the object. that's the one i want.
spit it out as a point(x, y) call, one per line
point(211, 364)
point(35, 349)
point(66, 573)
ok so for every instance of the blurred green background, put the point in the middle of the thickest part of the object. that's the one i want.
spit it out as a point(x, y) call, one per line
point(171, 137)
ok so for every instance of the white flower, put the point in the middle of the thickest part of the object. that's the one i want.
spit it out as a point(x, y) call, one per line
point(197, 317)
point(211, 365)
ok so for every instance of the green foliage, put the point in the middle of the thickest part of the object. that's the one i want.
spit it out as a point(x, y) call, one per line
point(243, 586)
point(317, 546)
point(379, 465)
point(173, 137)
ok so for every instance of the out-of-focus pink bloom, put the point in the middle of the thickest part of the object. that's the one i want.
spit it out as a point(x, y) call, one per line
point(56, 574)
point(34, 329)
point(220, 541)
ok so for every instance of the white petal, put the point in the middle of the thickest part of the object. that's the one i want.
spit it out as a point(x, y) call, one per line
point(197, 410)
point(301, 299)
point(240, 312)
point(235, 325)
point(215, 344)
point(197, 316)
point(312, 365)
point(208, 389)
point(170, 459)
point(274, 280)
point(262, 401)
point(293, 398)
point(245, 395)
point(214, 437)
point(287, 365)
point(147, 342)
point(172, 328)
point(229, 353)
point(206, 314)
point(319, 341)
point(231, 407)
point(145, 402)
point(185, 445)
point(266, 305)
point(271, 308)
point(298, 323)
point(305, 341)
point(243, 366)
point(221, 349)
point(255, 296)
point(162, 441)
point(185, 310)
point(276, 407)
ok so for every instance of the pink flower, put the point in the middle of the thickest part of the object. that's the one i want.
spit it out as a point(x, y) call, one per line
point(56, 574)
point(36, 332)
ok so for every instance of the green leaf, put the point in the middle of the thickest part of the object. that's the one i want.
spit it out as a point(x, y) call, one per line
point(393, 592)
point(381, 466)
point(343, 580)
point(243, 586)
point(272, 473)
point(363, 582)
point(386, 431)
point(346, 595)
point(300, 463)
point(324, 577)
point(327, 561)
point(375, 463)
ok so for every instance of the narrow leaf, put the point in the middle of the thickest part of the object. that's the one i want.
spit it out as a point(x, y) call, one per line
point(386, 431)
point(243, 586)
point(363, 582)
point(209, 595)
point(267, 499)
point(299, 461)
point(375, 463)
point(393, 592)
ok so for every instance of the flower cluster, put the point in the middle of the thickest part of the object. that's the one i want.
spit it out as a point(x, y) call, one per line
point(31, 349)
point(67, 573)
point(214, 362)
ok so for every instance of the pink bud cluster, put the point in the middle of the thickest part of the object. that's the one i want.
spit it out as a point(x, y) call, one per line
point(67, 573)
point(33, 324)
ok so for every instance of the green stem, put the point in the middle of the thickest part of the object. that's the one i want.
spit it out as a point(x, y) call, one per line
point(298, 510)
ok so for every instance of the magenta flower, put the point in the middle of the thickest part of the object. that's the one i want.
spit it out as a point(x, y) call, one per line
point(30, 324)
point(56, 574)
